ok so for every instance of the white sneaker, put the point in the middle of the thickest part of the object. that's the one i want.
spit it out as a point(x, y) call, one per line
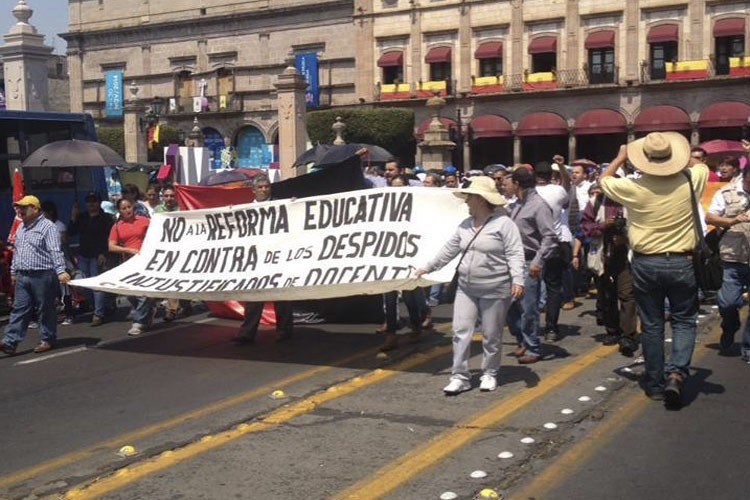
point(487, 383)
point(456, 386)
point(135, 330)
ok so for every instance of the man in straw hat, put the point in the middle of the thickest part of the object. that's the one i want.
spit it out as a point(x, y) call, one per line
point(662, 236)
point(38, 265)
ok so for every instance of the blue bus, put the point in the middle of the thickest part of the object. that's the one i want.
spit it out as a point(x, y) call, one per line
point(22, 133)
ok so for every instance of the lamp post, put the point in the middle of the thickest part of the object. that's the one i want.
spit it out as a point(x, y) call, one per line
point(459, 141)
point(138, 119)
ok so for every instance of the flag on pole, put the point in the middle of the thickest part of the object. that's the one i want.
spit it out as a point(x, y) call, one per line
point(18, 192)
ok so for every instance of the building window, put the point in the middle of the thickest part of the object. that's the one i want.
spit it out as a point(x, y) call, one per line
point(490, 57)
point(661, 54)
point(543, 51)
point(543, 63)
point(602, 65)
point(440, 71)
point(439, 59)
point(392, 64)
point(491, 67)
point(726, 48)
point(393, 74)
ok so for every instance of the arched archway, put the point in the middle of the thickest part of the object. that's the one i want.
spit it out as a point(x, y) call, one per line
point(542, 135)
point(252, 148)
point(214, 141)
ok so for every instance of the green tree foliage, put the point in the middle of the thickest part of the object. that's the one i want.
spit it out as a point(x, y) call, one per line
point(390, 128)
point(167, 135)
point(114, 137)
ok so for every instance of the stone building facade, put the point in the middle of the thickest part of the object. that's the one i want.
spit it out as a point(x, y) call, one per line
point(523, 79)
point(229, 53)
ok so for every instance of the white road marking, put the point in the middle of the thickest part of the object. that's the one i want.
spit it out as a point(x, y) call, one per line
point(50, 356)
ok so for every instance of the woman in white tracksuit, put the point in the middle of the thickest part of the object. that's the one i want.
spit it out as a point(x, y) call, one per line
point(490, 276)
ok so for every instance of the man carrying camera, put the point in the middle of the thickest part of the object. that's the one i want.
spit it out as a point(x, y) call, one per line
point(604, 223)
point(730, 211)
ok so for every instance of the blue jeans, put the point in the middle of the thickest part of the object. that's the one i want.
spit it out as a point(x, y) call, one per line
point(656, 278)
point(416, 306)
point(90, 268)
point(523, 316)
point(142, 309)
point(35, 290)
point(735, 279)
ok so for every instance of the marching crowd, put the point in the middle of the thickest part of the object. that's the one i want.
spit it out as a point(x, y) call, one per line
point(536, 237)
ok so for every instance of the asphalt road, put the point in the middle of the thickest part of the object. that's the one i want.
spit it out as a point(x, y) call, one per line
point(205, 422)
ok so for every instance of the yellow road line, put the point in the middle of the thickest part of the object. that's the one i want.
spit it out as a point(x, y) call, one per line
point(571, 460)
point(567, 463)
point(116, 442)
point(171, 458)
point(416, 461)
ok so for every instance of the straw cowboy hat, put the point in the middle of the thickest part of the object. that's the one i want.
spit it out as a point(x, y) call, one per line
point(660, 153)
point(485, 187)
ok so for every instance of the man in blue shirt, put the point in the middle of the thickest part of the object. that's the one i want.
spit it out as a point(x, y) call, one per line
point(37, 269)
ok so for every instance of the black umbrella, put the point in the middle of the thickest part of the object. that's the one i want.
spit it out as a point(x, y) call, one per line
point(237, 175)
point(74, 153)
point(324, 155)
point(312, 155)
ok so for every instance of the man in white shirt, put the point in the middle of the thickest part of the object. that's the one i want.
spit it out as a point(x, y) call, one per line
point(556, 196)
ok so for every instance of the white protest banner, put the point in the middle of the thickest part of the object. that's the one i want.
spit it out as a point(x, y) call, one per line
point(359, 242)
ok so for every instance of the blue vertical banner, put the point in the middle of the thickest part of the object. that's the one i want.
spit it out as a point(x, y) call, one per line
point(307, 65)
point(113, 85)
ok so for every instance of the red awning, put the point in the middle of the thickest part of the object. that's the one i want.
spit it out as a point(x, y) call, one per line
point(663, 33)
point(600, 121)
point(451, 125)
point(489, 50)
point(487, 126)
point(438, 55)
point(724, 114)
point(734, 26)
point(661, 119)
point(543, 45)
point(542, 124)
point(600, 40)
point(389, 59)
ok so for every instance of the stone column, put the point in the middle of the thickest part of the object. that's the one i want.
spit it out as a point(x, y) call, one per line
point(517, 47)
point(466, 58)
point(136, 149)
point(572, 29)
point(75, 78)
point(632, 64)
point(416, 60)
point(364, 81)
point(290, 87)
point(516, 149)
point(572, 146)
point(24, 57)
point(436, 147)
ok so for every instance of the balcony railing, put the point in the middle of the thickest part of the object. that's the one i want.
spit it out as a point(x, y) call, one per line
point(421, 90)
point(210, 104)
point(698, 69)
